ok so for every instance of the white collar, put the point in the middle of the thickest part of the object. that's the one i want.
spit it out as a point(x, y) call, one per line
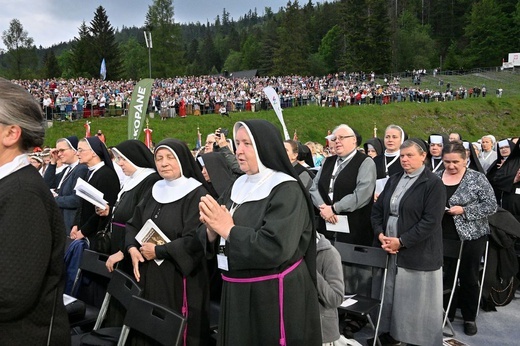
point(18, 162)
point(132, 181)
point(96, 166)
point(258, 186)
point(395, 153)
point(168, 191)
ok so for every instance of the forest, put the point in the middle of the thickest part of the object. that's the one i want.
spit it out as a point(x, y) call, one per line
point(383, 36)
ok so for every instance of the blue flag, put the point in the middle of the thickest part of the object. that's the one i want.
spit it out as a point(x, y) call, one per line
point(103, 70)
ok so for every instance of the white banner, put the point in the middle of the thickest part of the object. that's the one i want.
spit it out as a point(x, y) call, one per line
point(275, 102)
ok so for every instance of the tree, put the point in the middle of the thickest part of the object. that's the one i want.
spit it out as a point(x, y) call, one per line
point(290, 57)
point(487, 34)
point(330, 49)
point(104, 45)
point(19, 46)
point(135, 54)
point(167, 53)
point(233, 61)
point(82, 65)
point(415, 49)
point(51, 66)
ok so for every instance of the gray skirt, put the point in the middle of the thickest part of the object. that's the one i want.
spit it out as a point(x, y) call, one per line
point(412, 310)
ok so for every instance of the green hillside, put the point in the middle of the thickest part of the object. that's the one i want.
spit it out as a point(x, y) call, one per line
point(472, 117)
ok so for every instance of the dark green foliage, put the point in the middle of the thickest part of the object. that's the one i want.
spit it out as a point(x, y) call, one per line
point(384, 36)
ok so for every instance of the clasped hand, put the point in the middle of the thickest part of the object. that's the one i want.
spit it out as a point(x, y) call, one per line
point(327, 214)
point(389, 244)
point(216, 217)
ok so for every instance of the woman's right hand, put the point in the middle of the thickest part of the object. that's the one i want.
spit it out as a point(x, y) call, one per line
point(136, 258)
point(113, 259)
point(102, 212)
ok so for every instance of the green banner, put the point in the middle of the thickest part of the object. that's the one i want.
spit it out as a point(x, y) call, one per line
point(138, 107)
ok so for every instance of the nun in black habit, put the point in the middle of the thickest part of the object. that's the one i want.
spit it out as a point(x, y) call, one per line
point(137, 163)
point(505, 180)
point(266, 242)
point(180, 282)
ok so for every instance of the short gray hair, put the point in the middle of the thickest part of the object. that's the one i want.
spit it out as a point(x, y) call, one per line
point(18, 107)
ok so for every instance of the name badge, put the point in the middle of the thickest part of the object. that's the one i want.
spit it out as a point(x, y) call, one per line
point(517, 191)
point(222, 260)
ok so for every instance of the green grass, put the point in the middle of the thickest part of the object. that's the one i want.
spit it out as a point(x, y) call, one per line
point(472, 118)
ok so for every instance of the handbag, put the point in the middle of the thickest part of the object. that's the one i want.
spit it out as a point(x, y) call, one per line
point(102, 241)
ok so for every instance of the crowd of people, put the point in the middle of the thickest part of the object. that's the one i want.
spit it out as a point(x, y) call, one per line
point(251, 226)
point(71, 99)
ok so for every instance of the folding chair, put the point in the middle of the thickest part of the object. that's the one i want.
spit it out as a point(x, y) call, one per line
point(483, 275)
point(372, 257)
point(121, 287)
point(451, 249)
point(153, 320)
point(92, 262)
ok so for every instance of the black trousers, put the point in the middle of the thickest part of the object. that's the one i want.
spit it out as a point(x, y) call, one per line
point(467, 292)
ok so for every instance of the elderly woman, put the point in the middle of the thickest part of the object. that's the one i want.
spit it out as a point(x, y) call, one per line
point(267, 246)
point(32, 311)
point(137, 163)
point(487, 155)
point(180, 282)
point(470, 200)
point(407, 221)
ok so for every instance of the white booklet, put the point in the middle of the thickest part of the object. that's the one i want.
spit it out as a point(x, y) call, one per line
point(90, 193)
point(340, 226)
point(150, 233)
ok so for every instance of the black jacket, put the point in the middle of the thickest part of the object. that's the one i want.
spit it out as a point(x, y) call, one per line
point(420, 220)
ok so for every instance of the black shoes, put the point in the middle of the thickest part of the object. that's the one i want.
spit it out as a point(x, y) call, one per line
point(470, 327)
point(386, 340)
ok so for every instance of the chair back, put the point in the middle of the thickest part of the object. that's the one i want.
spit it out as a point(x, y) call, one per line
point(92, 262)
point(362, 255)
point(153, 320)
point(122, 287)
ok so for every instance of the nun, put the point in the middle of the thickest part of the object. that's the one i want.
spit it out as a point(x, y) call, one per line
point(262, 229)
point(216, 172)
point(487, 154)
point(472, 157)
point(374, 147)
point(387, 163)
point(137, 163)
point(180, 282)
point(102, 176)
point(436, 143)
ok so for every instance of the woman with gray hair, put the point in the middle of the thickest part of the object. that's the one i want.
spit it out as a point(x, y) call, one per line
point(487, 155)
point(407, 220)
point(32, 263)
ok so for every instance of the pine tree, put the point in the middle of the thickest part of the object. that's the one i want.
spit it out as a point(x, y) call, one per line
point(167, 52)
point(104, 46)
point(82, 65)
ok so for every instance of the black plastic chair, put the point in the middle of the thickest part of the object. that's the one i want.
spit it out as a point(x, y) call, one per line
point(153, 320)
point(371, 257)
point(122, 288)
point(95, 263)
point(451, 249)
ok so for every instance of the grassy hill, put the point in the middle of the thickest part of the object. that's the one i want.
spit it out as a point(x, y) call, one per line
point(472, 117)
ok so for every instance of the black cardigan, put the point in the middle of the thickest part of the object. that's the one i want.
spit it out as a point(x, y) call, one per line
point(420, 220)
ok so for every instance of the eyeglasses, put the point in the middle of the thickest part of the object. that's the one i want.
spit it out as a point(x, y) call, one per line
point(436, 145)
point(210, 142)
point(61, 151)
point(80, 150)
point(335, 138)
